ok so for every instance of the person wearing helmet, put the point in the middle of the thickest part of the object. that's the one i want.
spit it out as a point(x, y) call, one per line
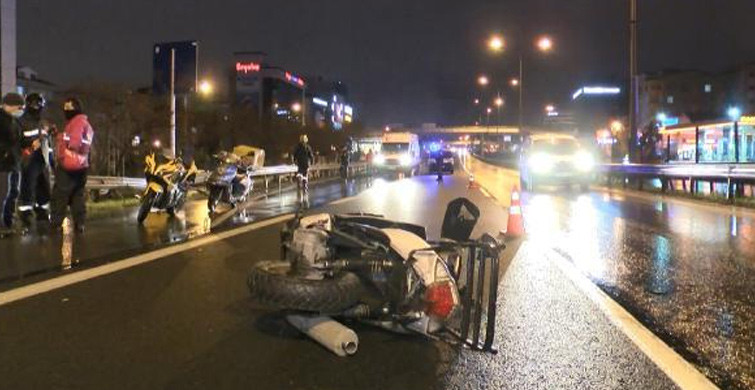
point(35, 162)
point(303, 158)
point(72, 148)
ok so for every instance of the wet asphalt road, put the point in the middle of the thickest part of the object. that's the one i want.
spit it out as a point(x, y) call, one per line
point(115, 234)
point(685, 269)
point(186, 321)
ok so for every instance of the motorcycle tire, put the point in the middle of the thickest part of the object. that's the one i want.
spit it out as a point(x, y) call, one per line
point(272, 283)
point(213, 199)
point(145, 206)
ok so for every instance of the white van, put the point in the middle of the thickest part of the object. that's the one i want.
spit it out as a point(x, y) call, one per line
point(399, 153)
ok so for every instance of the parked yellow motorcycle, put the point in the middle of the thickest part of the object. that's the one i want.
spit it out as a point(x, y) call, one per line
point(168, 183)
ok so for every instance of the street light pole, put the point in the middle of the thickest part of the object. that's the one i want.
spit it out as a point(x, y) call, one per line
point(173, 103)
point(632, 79)
point(521, 81)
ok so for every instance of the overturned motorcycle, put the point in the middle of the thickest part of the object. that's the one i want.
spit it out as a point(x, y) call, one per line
point(384, 273)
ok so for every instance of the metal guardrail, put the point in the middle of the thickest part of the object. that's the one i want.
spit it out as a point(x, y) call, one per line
point(109, 182)
point(681, 171)
point(735, 176)
point(265, 173)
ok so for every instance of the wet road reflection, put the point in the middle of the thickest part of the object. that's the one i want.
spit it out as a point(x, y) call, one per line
point(115, 234)
point(686, 270)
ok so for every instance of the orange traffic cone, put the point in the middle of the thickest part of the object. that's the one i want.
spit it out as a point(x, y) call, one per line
point(472, 183)
point(515, 225)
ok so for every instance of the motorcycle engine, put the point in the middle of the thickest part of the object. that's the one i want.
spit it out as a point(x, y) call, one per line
point(308, 246)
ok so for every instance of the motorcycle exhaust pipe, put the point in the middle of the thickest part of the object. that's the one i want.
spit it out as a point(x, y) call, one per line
point(329, 333)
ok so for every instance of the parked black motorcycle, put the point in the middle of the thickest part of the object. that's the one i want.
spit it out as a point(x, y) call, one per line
point(231, 182)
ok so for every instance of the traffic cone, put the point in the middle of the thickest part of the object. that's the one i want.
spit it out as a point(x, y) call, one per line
point(515, 225)
point(472, 183)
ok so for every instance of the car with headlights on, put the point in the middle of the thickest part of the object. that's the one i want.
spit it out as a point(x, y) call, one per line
point(555, 159)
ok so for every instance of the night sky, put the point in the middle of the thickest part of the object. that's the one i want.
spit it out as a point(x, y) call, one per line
point(407, 61)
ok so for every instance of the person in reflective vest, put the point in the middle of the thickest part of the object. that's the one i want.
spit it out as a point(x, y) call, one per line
point(35, 162)
point(72, 148)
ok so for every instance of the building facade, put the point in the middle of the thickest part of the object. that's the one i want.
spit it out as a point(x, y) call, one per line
point(280, 95)
point(684, 96)
point(681, 96)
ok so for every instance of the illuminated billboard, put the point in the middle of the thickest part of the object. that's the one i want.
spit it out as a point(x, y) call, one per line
point(595, 90)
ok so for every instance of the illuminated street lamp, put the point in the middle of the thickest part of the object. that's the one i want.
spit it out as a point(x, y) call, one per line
point(206, 88)
point(550, 108)
point(483, 80)
point(545, 44)
point(496, 43)
point(296, 107)
point(617, 126)
point(498, 103)
point(734, 113)
point(477, 102)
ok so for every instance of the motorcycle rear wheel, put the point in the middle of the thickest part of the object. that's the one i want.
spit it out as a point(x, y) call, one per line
point(274, 283)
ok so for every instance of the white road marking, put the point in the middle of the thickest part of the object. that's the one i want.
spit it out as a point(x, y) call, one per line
point(680, 371)
point(84, 275)
point(683, 373)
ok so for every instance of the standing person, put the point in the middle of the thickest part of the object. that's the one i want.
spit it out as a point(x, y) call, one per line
point(35, 162)
point(303, 158)
point(10, 153)
point(72, 148)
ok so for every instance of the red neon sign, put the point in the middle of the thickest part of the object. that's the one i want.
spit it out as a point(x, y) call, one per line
point(246, 67)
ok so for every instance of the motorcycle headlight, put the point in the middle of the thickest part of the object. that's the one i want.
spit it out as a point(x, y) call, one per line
point(405, 160)
point(584, 161)
point(541, 163)
point(379, 159)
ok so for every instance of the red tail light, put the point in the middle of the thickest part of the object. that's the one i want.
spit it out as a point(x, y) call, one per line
point(441, 299)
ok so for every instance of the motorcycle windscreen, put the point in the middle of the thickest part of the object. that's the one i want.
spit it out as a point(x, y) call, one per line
point(461, 218)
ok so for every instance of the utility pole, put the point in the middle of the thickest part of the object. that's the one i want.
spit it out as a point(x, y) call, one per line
point(633, 103)
point(521, 92)
point(7, 46)
point(173, 102)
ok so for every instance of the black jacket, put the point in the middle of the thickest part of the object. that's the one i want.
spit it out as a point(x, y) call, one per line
point(303, 156)
point(10, 142)
point(32, 130)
